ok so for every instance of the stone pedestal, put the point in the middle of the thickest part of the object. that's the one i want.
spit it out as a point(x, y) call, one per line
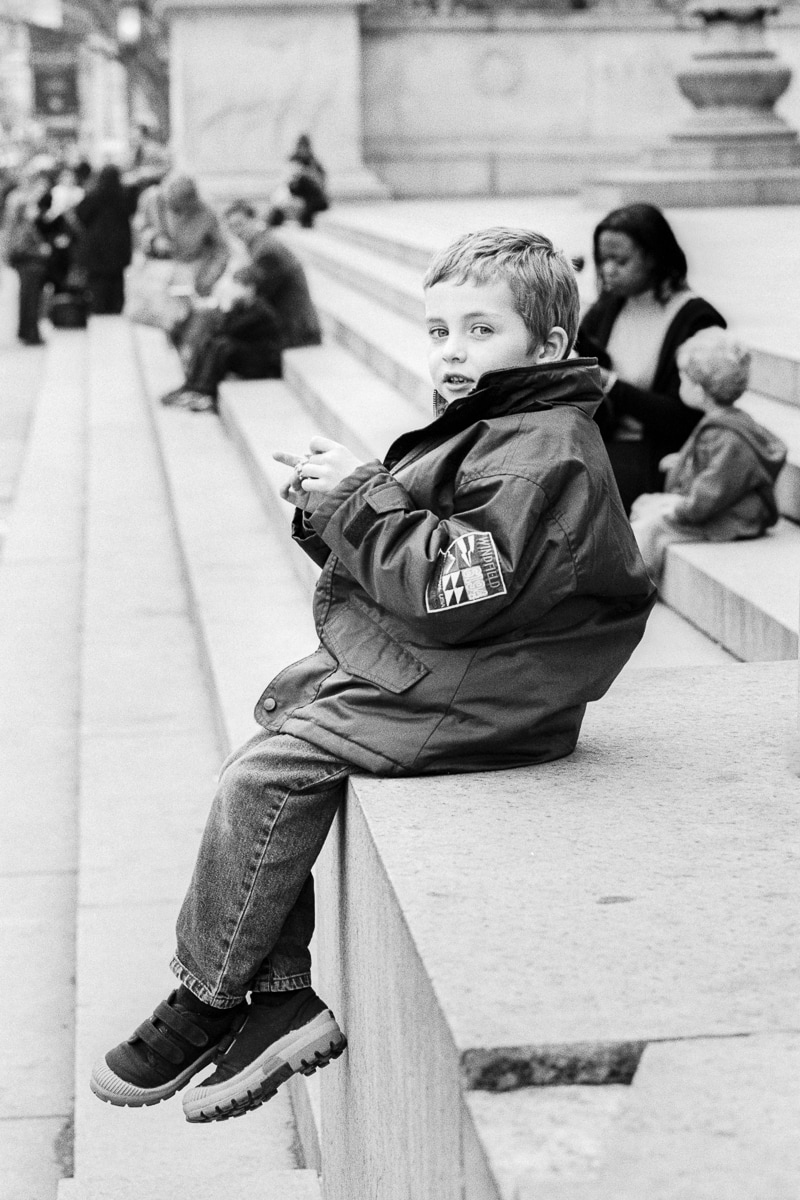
point(248, 76)
point(734, 149)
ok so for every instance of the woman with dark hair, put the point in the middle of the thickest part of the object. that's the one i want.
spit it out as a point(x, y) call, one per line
point(105, 242)
point(644, 312)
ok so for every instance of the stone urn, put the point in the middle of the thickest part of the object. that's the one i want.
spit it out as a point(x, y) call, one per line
point(733, 82)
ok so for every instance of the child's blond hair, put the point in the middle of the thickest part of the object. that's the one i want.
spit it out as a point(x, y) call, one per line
point(541, 277)
point(718, 362)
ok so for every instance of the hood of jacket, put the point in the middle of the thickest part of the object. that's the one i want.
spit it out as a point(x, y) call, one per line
point(768, 448)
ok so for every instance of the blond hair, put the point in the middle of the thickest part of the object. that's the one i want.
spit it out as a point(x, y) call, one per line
point(718, 362)
point(541, 277)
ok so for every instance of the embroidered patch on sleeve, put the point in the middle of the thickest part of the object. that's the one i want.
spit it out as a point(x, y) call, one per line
point(467, 571)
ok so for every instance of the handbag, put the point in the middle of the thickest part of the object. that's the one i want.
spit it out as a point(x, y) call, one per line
point(158, 292)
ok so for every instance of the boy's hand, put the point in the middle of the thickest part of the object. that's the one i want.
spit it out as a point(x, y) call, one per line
point(292, 490)
point(316, 473)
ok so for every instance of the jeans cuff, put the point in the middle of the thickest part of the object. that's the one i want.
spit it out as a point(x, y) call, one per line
point(282, 983)
point(200, 990)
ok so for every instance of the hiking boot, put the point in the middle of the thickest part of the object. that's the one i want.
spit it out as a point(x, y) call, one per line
point(280, 1034)
point(162, 1055)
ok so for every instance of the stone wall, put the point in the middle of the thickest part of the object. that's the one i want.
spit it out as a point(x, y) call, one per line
point(527, 103)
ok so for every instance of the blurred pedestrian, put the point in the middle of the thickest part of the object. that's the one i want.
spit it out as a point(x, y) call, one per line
point(28, 252)
point(173, 222)
point(304, 193)
point(274, 314)
point(105, 215)
point(278, 275)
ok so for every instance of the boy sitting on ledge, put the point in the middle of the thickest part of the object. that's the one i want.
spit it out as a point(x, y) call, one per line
point(720, 487)
point(478, 589)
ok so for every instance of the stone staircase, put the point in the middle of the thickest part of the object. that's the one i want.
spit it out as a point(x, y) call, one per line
point(621, 922)
point(104, 700)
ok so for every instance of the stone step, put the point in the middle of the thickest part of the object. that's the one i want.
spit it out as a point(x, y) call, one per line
point(783, 420)
point(223, 533)
point(393, 346)
point(41, 573)
point(394, 281)
point(377, 241)
point(248, 585)
point(776, 374)
point(741, 594)
point(696, 1112)
point(151, 746)
point(349, 401)
point(261, 416)
point(206, 1185)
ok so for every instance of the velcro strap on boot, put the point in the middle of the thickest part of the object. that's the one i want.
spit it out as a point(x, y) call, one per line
point(157, 1041)
point(182, 1024)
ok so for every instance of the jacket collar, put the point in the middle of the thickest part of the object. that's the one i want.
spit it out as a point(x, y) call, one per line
point(573, 381)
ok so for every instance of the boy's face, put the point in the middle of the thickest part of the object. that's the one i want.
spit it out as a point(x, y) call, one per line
point(473, 328)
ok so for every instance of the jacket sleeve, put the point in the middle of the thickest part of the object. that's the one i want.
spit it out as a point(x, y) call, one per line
point(449, 574)
point(308, 540)
point(725, 475)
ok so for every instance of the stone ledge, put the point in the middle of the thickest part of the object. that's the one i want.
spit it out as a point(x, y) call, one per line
point(741, 594)
point(630, 908)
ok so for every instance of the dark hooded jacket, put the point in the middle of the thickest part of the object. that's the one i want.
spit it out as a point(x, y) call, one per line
point(478, 588)
point(726, 475)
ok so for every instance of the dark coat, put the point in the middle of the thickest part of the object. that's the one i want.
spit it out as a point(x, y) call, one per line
point(105, 218)
point(478, 588)
point(253, 331)
point(281, 281)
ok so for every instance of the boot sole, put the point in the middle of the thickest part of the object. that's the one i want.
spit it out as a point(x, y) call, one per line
point(300, 1051)
point(113, 1090)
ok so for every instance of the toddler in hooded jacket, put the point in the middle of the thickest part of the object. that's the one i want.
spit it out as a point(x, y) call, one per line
point(720, 487)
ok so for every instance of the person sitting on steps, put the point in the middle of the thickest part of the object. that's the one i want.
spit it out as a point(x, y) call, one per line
point(720, 487)
point(278, 315)
point(491, 544)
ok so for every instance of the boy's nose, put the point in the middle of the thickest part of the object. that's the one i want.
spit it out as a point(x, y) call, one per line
point(454, 352)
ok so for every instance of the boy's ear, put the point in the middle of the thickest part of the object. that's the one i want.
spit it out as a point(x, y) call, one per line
point(554, 347)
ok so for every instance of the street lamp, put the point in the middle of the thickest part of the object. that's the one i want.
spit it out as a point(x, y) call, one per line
point(129, 27)
point(129, 37)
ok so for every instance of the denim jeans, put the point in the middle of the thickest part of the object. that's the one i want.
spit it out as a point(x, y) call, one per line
point(248, 917)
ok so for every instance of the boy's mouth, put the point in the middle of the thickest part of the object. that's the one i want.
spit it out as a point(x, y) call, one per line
point(457, 381)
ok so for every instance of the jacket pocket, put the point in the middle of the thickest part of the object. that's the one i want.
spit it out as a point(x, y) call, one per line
point(366, 648)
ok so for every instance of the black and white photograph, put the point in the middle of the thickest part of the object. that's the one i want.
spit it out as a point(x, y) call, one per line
point(399, 599)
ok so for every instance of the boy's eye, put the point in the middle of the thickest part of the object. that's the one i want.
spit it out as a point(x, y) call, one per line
point(482, 330)
point(437, 332)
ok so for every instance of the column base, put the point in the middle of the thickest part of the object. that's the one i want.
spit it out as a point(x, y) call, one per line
point(694, 189)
